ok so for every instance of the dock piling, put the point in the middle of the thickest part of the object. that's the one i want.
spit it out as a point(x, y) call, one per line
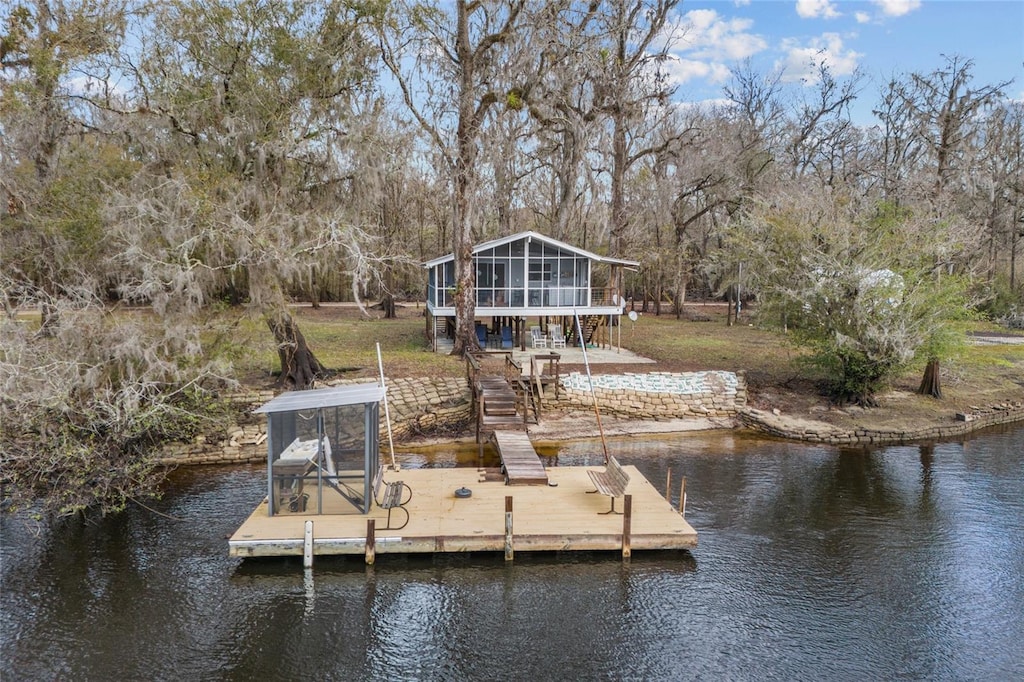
point(682, 498)
point(307, 545)
point(627, 522)
point(509, 553)
point(371, 541)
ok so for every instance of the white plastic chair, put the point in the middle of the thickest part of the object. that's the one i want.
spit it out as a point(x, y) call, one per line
point(557, 337)
point(537, 338)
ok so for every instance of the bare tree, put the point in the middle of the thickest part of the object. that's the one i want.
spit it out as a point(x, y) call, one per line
point(456, 68)
point(628, 89)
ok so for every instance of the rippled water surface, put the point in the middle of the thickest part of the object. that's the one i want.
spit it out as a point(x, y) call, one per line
point(813, 563)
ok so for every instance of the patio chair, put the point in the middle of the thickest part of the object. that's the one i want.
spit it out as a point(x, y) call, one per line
point(506, 337)
point(557, 336)
point(537, 338)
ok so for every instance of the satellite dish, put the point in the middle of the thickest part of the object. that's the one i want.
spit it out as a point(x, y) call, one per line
point(632, 315)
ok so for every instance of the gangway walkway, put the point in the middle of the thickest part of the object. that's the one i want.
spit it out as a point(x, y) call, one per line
point(521, 462)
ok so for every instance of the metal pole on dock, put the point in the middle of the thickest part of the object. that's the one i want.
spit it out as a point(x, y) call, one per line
point(590, 382)
point(668, 487)
point(387, 412)
point(682, 497)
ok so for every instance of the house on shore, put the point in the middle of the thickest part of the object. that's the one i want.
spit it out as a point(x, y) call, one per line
point(524, 277)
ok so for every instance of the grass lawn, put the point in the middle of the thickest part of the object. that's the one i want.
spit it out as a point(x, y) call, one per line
point(344, 339)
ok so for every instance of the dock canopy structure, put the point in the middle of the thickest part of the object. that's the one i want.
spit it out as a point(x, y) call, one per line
point(322, 449)
point(527, 275)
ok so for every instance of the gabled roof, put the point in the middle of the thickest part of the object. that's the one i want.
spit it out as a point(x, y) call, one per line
point(484, 246)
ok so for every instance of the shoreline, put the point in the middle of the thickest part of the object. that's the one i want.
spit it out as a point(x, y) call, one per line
point(573, 426)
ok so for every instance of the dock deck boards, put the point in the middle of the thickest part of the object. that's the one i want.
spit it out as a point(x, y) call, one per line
point(560, 516)
point(521, 462)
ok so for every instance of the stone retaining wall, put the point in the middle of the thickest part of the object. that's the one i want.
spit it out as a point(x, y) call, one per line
point(820, 432)
point(657, 395)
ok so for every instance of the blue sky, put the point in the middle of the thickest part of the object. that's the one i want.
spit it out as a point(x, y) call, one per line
point(880, 37)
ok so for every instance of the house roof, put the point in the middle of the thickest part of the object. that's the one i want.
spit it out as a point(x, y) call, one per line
point(484, 246)
point(348, 394)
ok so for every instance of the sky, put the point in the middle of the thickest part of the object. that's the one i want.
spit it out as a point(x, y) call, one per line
point(882, 38)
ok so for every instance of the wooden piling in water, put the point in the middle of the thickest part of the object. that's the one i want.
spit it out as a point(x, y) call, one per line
point(509, 553)
point(307, 545)
point(627, 523)
point(371, 541)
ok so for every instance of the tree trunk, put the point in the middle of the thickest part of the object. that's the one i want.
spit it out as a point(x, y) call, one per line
point(299, 367)
point(466, 134)
point(387, 304)
point(930, 382)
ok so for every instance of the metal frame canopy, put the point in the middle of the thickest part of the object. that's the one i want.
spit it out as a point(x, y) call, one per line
point(322, 448)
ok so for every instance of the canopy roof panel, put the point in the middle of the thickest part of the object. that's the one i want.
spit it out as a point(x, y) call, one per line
point(317, 398)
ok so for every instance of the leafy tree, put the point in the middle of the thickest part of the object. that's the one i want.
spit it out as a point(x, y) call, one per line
point(859, 295)
point(242, 112)
point(50, 231)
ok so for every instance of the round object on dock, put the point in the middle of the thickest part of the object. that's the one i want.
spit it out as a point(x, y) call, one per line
point(463, 492)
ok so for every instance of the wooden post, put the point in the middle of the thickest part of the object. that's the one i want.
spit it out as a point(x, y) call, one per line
point(627, 522)
point(509, 553)
point(682, 497)
point(307, 546)
point(371, 541)
point(668, 487)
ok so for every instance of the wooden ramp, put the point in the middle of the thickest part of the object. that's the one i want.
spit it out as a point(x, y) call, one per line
point(521, 462)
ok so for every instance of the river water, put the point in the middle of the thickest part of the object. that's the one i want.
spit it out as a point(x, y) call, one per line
point(813, 563)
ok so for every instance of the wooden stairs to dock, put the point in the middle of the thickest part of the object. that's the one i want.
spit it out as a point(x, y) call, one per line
point(501, 401)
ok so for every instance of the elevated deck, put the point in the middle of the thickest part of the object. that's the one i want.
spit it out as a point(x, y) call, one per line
point(561, 516)
point(521, 463)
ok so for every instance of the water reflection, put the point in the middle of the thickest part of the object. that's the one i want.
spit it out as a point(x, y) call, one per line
point(813, 563)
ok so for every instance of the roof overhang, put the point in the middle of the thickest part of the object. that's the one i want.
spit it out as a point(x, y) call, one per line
point(529, 236)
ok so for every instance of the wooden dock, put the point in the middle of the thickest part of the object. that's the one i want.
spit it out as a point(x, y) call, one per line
point(561, 516)
point(520, 461)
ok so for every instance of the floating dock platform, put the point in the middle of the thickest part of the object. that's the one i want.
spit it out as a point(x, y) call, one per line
point(563, 515)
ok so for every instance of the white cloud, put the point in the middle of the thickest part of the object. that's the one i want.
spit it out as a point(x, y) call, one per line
point(809, 9)
point(862, 17)
point(703, 46)
point(681, 70)
point(801, 61)
point(897, 8)
point(703, 34)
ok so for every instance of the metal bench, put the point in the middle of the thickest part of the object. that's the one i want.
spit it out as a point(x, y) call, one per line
point(388, 495)
point(612, 482)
